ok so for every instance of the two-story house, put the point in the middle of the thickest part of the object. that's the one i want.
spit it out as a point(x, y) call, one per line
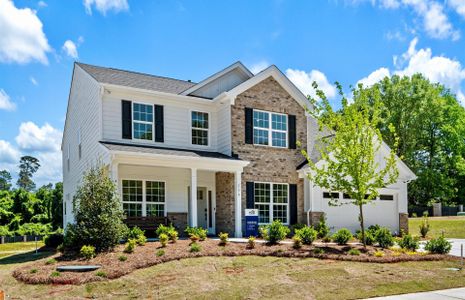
point(198, 154)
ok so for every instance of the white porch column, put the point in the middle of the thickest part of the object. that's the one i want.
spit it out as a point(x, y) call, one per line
point(114, 173)
point(237, 204)
point(193, 206)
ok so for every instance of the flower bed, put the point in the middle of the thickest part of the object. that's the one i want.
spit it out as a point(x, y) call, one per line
point(117, 263)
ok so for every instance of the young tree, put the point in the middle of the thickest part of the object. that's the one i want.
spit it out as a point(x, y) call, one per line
point(28, 165)
point(57, 206)
point(349, 148)
point(5, 180)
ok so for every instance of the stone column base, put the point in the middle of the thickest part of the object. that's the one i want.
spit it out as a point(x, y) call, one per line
point(179, 220)
point(315, 217)
point(403, 223)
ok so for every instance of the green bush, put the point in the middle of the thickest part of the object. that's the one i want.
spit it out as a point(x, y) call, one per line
point(318, 251)
point(322, 228)
point(53, 240)
point(274, 232)
point(297, 242)
point(141, 240)
point(55, 274)
point(173, 235)
point(61, 248)
point(342, 236)
point(130, 246)
point(134, 233)
point(195, 247)
point(122, 258)
point(198, 231)
point(438, 246)
point(424, 226)
point(4, 231)
point(87, 252)
point(297, 226)
point(223, 238)
point(408, 242)
point(384, 237)
point(36, 229)
point(160, 252)
point(163, 239)
point(306, 234)
point(163, 229)
point(369, 236)
point(251, 242)
point(101, 273)
point(98, 213)
point(354, 251)
point(33, 271)
point(51, 261)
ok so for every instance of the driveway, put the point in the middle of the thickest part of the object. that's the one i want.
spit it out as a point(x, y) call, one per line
point(434, 295)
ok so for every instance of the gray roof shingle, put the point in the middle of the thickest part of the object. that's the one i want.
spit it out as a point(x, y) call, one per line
point(114, 146)
point(136, 80)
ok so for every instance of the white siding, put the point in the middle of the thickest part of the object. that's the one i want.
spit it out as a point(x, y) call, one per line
point(225, 83)
point(84, 114)
point(177, 120)
point(224, 129)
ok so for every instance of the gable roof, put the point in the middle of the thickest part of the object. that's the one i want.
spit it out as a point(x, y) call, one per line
point(136, 79)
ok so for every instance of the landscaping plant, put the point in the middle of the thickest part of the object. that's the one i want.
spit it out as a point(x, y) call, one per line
point(223, 238)
point(318, 251)
point(198, 231)
point(130, 246)
point(306, 234)
point(378, 253)
point(173, 235)
point(424, 226)
point(122, 258)
point(438, 246)
point(51, 261)
point(53, 240)
point(251, 242)
point(342, 236)
point(160, 252)
point(163, 239)
point(408, 242)
point(384, 238)
point(354, 251)
point(195, 247)
point(274, 232)
point(101, 273)
point(297, 242)
point(322, 228)
point(141, 240)
point(87, 251)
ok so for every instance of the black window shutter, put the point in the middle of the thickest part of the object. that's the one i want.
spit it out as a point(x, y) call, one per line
point(248, 125)
point(126, 120)
point(292, 132)
point(293, 203)
point(249, 191)
point(159, 124)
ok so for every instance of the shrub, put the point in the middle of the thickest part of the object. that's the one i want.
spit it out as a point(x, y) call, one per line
point(251, 242)
point(51, 261)
point(141, 240)
point(322, 228)
point(160, 252)
point(164, 229)
point(130, 246)
point(409, 243)
point(424, 226)
point(122, 258)
point(223, 238)
point(53, 240)
point(198, 231)
point(101, 274)
point(297, 241)
point(163, 239)
point(318, 251)
point(378, 253)
point(87, 252)
point(384, 237)
point(369, 236)
point(33, 271)
point(274, 232)
point(134, 233)
point(98, 213)
point(194, 238)
point(326, 239)
point(55, 274)
point(61, 248)
point(296, 227)
point(354, 251)
point(195, 247)
point(438, 246)
point(36, 229)
point(173, 235)
point(306, 234)
point(4, 231)
point(342, 236)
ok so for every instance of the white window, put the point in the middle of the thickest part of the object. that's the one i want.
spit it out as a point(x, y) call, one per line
point(269, 129)
point(142, 121)
point(79, 144)
point(272, 202)
point(143, 198)
point(199, 123)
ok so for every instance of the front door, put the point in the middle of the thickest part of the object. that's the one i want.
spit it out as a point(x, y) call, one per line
point(202, 207)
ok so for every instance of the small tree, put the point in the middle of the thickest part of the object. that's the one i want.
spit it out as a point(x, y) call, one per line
point(98, 213)
point(348, 147)
point(5, 180)
point(28, 165)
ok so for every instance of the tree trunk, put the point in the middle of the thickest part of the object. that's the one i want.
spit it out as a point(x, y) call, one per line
point(362, 225)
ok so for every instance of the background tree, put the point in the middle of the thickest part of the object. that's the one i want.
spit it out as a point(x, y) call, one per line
point(28, 165)
point(57, 205)
point(349, 151)
point(430, 125)
point(5, 180)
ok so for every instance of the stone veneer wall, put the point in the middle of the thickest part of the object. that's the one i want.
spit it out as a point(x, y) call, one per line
point(224, 202)
point(268, 164)
point(403, 222)
point(315, 217)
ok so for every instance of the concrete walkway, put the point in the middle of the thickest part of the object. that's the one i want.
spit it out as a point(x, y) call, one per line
point(434, 295)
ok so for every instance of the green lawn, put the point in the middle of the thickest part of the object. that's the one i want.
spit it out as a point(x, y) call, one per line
point(453, 227)
point(20, 246)
point(250, 277)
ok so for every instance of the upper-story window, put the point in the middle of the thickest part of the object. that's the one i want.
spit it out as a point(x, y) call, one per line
point(199, 128)
point(142, 121)
point(269, 129)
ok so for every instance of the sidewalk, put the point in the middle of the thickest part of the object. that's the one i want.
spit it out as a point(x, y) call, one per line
point(434, 295)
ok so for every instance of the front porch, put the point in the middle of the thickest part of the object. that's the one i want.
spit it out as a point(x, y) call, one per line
point(184, 190)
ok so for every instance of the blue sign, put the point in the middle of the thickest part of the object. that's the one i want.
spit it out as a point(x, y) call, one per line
point(251, 222)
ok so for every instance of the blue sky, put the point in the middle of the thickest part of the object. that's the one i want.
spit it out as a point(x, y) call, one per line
point(326, 41)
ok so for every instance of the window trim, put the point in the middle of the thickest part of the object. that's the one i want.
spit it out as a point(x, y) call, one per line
point(270, 128)
point(271, 217)
point(142, 122)
point(197, 128)
point(144, 194)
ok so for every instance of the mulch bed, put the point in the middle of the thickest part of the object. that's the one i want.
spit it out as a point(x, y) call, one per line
point(145, 256)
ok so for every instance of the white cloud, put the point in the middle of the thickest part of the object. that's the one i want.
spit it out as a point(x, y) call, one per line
point(374, 77)
point(259, 66)
point(33, 81)
point(70, 49)
point(42, 4)
point(458, 6)
point(22, 39)
point(34, 138)
point(5, 102)
point(106, 5)
point(8, 154)
point(390, 4)
point(304, 80)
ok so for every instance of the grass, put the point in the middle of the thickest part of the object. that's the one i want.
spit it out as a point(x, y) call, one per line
point(20, 246)
point(254, 277)
point(453, 227)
